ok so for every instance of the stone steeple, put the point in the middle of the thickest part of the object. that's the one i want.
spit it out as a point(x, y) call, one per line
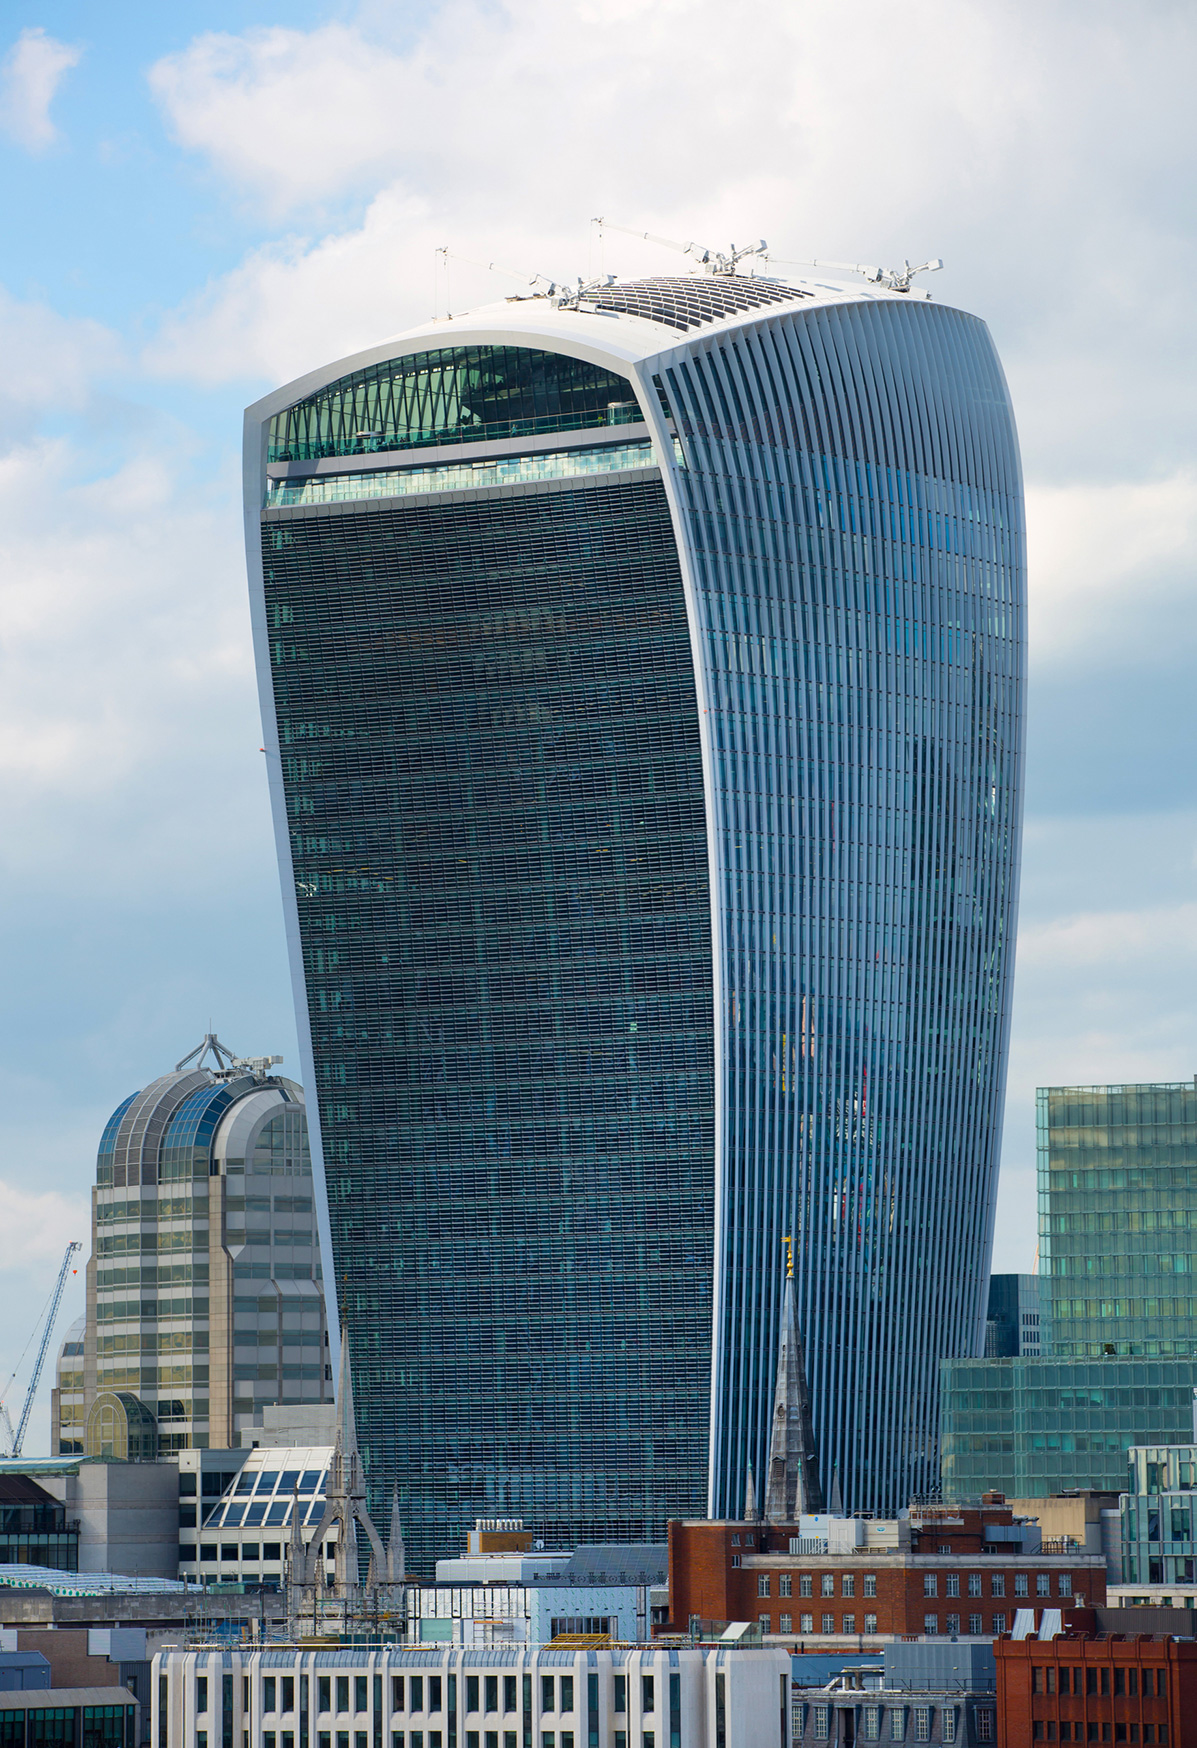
point(346, 1505)
point(792, 1484)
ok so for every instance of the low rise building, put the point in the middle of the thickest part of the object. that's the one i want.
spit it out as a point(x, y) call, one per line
point(531, 1597)
point(99, 1717)
point(940, 1570)
point(1081, 1687)
point(924, 1692)
point(555, 1697)
point(34, 1527)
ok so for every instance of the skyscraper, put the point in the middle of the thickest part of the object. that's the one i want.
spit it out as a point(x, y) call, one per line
point(204, 1292)
point(643, 686)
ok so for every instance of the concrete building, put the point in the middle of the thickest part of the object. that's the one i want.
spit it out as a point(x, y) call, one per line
point(1111, 1687)
point(204, 1288)
point(923, 1692)
point(494, 1698)
point(529, 1598)
point(940, 1570)
point(640, 866)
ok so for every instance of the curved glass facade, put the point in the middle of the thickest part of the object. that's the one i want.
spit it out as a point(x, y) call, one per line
point(460, 394)
point(853, 515)
point(655, 851)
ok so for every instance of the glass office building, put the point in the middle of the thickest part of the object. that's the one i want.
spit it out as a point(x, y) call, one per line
point(1159, 1536)
point(643, 690)
point(205, 1298)
point(1118, 1217)
point(1032, 1427)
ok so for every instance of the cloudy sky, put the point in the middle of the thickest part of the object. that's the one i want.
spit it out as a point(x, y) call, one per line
point(199, 205)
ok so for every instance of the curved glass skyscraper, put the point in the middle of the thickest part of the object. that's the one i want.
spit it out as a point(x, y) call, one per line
point(643, 684)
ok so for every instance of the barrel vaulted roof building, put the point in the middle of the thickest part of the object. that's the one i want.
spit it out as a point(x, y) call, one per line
point(643, 687)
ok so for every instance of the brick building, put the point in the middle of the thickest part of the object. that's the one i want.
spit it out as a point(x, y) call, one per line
point(1086, 1687)
point(943, 1570)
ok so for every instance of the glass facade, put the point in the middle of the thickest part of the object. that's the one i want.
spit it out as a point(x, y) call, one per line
point(1159, 1543)
point(33, 1527)
point(1118, 1217)
point(494, 783)
point(459, 394)
point(1032, 1427)
point(654, 845)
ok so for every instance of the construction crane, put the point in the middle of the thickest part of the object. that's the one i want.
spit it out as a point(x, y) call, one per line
point(716, 261)
point(16, 1439)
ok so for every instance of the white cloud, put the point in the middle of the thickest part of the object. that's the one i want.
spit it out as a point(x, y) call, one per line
point(1113, 570)
point(30, 76)
point(38, 1223)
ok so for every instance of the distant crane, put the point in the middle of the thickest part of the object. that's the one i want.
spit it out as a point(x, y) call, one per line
point(16, 1439)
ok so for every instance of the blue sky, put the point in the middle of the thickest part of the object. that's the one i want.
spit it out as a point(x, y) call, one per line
point(198, 205)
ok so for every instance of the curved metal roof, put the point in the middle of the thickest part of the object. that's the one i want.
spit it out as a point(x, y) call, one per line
point(693, 300)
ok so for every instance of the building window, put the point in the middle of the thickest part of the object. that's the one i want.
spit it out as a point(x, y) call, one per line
point(806, 1623)
point(201, 1693)
point(999, 1625)
point(567, 1693)
point(1064, 1584)
point(1043, 1584)
point(952, 1625)
point(762, 1584)
point(822, 1720)
point(870, 1584)
point(872, 1723)
point(806, 1586)
point(785, 1623)
point(548, 1693)
point(974, 1584)
point(849, 1625)
point(785, 1585)
point(737, 1559)
point(922, 1723)
point(648, 1690)
point(829, 1623)
point(1021, 1584)
point(931, 1623)
point(847, 1584)
point(984, 1724)
point(997, 1584)
point(953, 1584)
point(930, 1584)
point(976, 1625)
point(827, 1584)
point(870, 1623)
point(621, 1693)
point(765, 1622)
point(735, 1541)
point(897, 1723)
point(948, 1721)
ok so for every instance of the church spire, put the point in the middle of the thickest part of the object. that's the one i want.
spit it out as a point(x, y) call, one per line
point(793, 1486)
point(751, 1514)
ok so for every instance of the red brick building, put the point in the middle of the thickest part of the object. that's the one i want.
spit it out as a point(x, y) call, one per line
point(944, 1570)
point(1083, 1687)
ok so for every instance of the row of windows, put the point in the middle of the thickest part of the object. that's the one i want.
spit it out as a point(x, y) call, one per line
point(1044, 1730)
point(1151, 1682)
point(902, 1721)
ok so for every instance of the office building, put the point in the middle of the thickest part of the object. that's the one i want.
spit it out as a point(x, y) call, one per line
point(1118, 1207)
point(924, 1692)
point(33, 1526)
point(1016, 1324)
point(1159, 1538)
point(100, 1717)
point(204, 1288)
point(530, 1596)
point(556, 1698)
point(1037, 1427)
point(937, 1570)
point(642, 678)
point(1107, 1686)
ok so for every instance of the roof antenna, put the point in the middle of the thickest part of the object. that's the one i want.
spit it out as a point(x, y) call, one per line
point(712, 260)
